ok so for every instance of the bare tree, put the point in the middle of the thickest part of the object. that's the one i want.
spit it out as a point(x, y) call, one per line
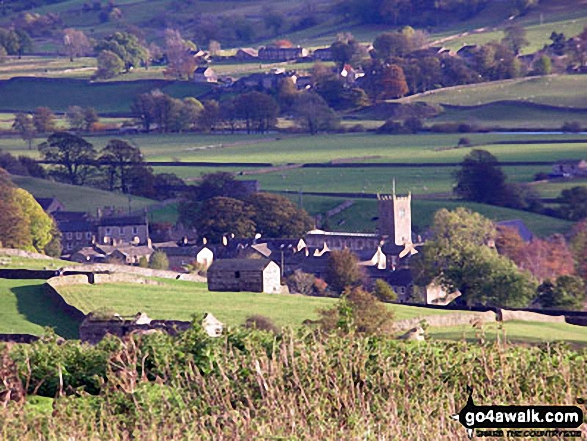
point(180, 62)
point(76, 43)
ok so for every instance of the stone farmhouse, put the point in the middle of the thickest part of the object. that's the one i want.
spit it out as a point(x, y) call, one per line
point(50, 205)
point(254, 275)
point(117, 230)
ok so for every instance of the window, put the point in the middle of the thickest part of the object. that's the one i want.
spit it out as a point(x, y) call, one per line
point(88, 235)
point(135, 230)
point(402, 289)
point(108, 230)
point(78, 235)
point(69, 246)
point(402, 212)
point(237, 275)
point(69, 236)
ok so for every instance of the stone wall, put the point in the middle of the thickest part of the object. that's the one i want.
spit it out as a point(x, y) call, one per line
point(51, 291)
point(92, 331)
point(455, 319)
point(18, 338)
point(505, 315)
point(135, 270)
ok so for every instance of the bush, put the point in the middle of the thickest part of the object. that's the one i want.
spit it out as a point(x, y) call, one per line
point(159, 261)
point(143, 262)
point(261, 323)
point(301, 282)
point(413, 124)
point(384, 292)
point(464, 142)
point(357, 311)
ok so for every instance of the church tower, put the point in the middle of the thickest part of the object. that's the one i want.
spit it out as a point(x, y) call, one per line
point(395, 217)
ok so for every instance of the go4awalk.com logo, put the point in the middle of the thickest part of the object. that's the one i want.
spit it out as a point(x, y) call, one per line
point(520, 421)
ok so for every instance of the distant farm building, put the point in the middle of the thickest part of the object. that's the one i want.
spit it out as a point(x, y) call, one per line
point(247, 54)
point(570, 168)
point(273, 53)
point(254, 275)
point(205, 75)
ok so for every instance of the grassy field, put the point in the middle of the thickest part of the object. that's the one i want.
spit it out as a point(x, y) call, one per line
point(515, 332)
point(194, 298)
point(26, 94)
point(25, 309)
point(554, 90)
point(362, 215)
point(76, 198)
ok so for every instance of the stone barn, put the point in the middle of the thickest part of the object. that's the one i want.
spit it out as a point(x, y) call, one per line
point(255, 275)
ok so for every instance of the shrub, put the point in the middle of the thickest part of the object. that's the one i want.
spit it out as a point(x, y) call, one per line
point(159, 261)
point(464, 142)
point(143, 262)
point(384, 292)
point(261, 323)
point(301, 282)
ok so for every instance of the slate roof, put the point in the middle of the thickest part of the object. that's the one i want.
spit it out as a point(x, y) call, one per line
point(122, 221)
point(239, 265)
point(75, 226)
point(46, 202)
point(520, 227)
point(70, 216)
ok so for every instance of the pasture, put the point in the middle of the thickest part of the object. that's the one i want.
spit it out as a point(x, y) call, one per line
point(554, 90)
point(115, 97)
point(76, 198)
point(25, 309)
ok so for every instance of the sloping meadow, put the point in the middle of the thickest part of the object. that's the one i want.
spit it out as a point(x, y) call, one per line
point(254, 385)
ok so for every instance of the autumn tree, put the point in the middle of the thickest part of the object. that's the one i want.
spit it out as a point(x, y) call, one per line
point(44, 120)
point(23, 124)
point(343, 270)
point(547, 258)
point(347, 50)
point(393, 82)
point(126, 47)
point(578, 244)
point(14, 225)
point(76, 43)
point(73, 157)
point(573, 203)
point(40, 224)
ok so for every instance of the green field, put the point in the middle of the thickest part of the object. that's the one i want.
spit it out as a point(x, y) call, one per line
point(26, 94)
point(25, 309)
point(362, 215)
point(554, 90)
point(515, 331)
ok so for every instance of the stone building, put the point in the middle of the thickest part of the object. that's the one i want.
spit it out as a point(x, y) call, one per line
point(254, 275)
point(395, 217)
point(117, 230)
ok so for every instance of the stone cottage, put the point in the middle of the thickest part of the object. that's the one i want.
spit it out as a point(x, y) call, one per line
point(255, 275)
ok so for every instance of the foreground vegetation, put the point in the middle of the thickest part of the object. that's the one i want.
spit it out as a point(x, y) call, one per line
point(244, 383)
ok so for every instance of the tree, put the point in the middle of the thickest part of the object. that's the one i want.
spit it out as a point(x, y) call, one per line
point(314, 114)
point(258, 110)
point(515, 37)
point(76, 43)
point(393, 82)
point(14, 225)
point(578, 244)
point(543, 66)
point(277, 216)
point(44, 120)
point(72, 155)
point(221, 215)
point(567, 292)
point(459, 259)
point(126, 47)
point(90, 117)
point(109, 65)
point(41, 225)
point(180, 62)
point(357, 311)
point(23, 124)
point(121, 160)
point(75, 117)
point(573, 203)
point(343, 270)
point(383, 291)
point(480, 178)
point(347, 50)
point(391, 44)
point(159, 261)
point(209, 117)
point(546, 258)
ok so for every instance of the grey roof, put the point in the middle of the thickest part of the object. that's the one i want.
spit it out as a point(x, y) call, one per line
point(239, 265)
point(182, 251)
point(70, 216)
point(122, 220)
point(75, 226)
point(520, 227)
point(46, 202)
